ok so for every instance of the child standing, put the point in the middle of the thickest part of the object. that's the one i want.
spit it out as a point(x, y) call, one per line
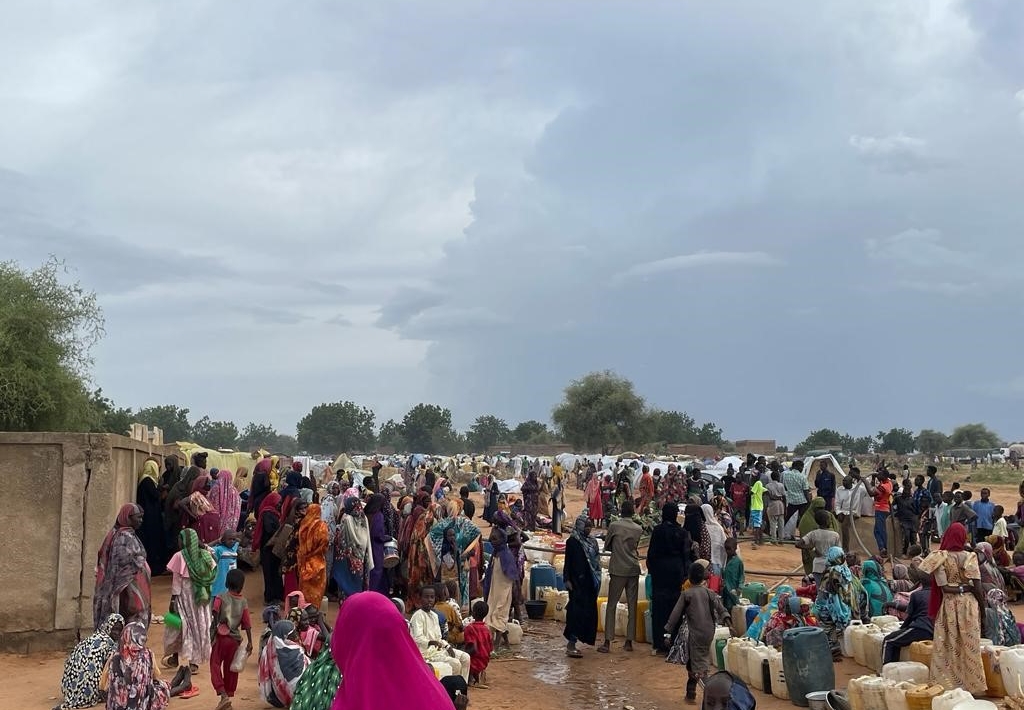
point(733, 576)
point(479, 645)
point(702, 610)
point(739, 492)
point(757, 510)
point(225, 554)
point(776, 507)
point(230, 617)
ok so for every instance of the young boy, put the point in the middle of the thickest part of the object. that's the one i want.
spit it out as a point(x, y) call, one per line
point(739, 491)
point(776, 507)
point(985, 510)
point(757, 510)
point(230, 617)
point(821, 541)
point(225, 554)
point(426, 632)
point(479, 645)
point(733, 577)
point(449, 608)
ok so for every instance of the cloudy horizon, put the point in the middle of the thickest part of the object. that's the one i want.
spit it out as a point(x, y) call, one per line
point(776, 217)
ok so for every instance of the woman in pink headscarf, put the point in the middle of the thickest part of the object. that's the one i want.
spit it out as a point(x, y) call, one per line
point(226, 500)
point(370, 635)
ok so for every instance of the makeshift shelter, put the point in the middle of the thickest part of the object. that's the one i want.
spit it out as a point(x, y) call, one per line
point(227, 460)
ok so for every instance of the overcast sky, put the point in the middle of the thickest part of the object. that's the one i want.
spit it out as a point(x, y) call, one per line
point(777, 216)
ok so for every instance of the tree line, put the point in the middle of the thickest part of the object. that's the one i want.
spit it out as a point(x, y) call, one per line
point(48, 327)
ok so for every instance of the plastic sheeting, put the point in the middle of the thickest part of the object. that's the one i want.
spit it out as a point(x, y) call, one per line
point(230, 461)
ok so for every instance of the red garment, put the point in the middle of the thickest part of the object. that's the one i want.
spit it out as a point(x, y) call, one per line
point(645, 491)
point(479, 634)
point(269, 505)
point(739, 492)
point(953, 540)
point(223, 678)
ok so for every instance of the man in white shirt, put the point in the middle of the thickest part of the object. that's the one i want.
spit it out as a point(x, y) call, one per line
point(848, 501)
point(425, 627)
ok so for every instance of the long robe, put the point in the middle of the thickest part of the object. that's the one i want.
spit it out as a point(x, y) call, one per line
point(152, 532)
point(668, 562)
point(581, 612)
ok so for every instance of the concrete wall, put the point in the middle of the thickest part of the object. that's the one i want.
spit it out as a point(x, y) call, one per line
point(62, 493)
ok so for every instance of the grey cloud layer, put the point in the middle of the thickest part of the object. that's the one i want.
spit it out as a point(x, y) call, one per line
point(776, 216)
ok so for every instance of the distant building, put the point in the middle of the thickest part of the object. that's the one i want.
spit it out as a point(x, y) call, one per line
point(698, 451)
point(758, 447)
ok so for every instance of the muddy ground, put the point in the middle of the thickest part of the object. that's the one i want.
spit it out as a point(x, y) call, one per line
point(538, 676)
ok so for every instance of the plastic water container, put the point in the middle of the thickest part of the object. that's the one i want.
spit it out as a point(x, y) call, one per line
point(906, 671)
point(641, 625)
point(921, 697)
point(859, 650)
point(732, 654)
point(950, 699)
point(752, 611)
point(551, 596)
point(896, 694)
point(846, 644)
point(807, 663)
point(621, 618)
point(542, 575)
point(642, 589)
point(605, 581)
point(559, 580)
point(855, 691)
point(873, 650)
point(602, 602)
point(874, 693)
point(921, 652)
point(741, 656)
point(883, 621)
point(756, 592)
point(515, 633)
point(1011, 666)
point(990, 656)
point(648, 586)
point(739, 617)
point(779, 688)
point(755, 661)
point(561, 603)
point(720, 653)
point(976, 705)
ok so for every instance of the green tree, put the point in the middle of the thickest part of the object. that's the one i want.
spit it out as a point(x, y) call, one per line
point(47, 330)
point(600, 412)
point(332, 428)
point(525, 431)
point(670, 427)
point(109, 418)
point(487, 431)
point(931, 442)
point(899, 440)
point(284, 444)
point(171, 418)
point(428, 427)
point(215, 435)
point(391, 435)
point(974, 436)
point(710, 435)
point(858, 444)
point(821, 439)
point(256, 436)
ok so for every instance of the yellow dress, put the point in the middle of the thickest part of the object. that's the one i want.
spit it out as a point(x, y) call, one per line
point(956, 654)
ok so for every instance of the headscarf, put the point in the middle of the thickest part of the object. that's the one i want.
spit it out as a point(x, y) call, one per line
point(80, 683)
point(837, 605)
point(225, 500)
point(716, 534)
point(120, 558)
point(352, 540)
point(874, 584)
point(1004, 631)
point(370, 635)
point(202, 570)
point(990, 574)
point(807, 522)
point(693, 523)
point(500, 555)
point(150, 470)
point(131, 685)
point(670, 513)
point(901, 578)
point(313, 542)
point(281, 665)
point(269, 505)
point(953, 540)
point(589, 546)
point(197, 505)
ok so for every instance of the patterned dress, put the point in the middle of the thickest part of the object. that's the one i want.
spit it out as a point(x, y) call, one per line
point(956, 655)
point(80, 684)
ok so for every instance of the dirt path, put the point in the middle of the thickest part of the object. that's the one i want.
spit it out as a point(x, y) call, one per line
point(537, 676)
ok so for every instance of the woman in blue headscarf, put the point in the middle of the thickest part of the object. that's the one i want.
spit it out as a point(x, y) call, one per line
point(839, 600)
point(582, 574)
point(454, 541)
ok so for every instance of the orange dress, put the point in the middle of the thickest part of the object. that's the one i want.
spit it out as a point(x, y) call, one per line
point(312, 556)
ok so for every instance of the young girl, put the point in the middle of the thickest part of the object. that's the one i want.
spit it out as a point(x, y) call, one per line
point(225, 555)
point(479, 645)
point(193, 572)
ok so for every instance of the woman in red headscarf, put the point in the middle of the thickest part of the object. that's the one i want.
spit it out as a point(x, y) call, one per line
point(122, 573)
point(955, 604)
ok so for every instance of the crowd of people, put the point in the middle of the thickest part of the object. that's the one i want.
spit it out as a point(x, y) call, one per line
point(412, 546)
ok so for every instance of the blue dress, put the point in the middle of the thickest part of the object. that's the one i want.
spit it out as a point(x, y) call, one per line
point(227, 560)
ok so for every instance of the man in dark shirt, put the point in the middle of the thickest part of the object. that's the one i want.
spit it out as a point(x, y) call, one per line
point(825, 482)
point(916, 627)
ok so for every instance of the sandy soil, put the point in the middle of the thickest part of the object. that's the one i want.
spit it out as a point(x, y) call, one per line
point(537, 676)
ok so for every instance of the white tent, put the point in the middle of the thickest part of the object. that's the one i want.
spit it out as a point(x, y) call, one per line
point(723, 465)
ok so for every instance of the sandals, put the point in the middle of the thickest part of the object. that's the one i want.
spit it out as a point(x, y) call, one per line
point(192, 692)
point(573, 653)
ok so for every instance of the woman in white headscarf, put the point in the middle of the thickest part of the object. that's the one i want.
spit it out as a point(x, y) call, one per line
point(717, 534)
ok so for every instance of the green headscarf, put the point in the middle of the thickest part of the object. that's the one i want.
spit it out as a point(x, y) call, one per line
point(202, 570)
point(807, 524)
point(875, 587)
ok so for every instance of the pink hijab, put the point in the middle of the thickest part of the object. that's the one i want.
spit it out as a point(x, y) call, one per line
point(370, 635)
point(226, 500)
